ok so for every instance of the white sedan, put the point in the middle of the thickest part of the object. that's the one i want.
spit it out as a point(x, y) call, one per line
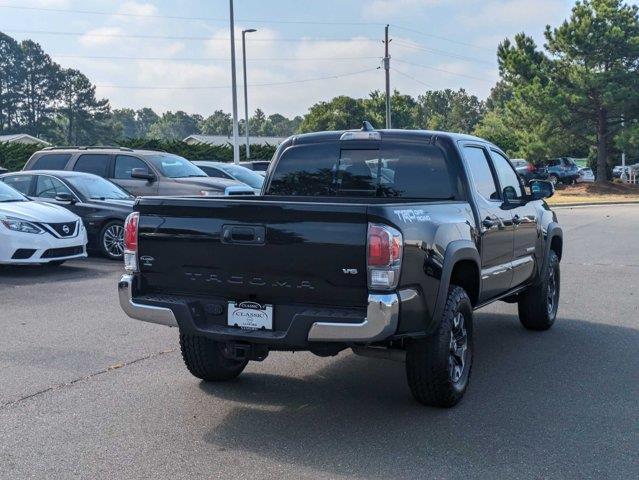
point(33, 232)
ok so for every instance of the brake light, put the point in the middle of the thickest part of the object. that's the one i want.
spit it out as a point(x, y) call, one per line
point(384, 256)
point(131, 242)
point(531, 167)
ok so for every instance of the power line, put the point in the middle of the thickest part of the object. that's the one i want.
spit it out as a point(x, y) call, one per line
point(208, 59)
point(412, 78)
point(171, 37)
point(443, 52)
point(439, 37)
point(443, 70)
point(179, 17)
point(224, 20)
point(217, 87)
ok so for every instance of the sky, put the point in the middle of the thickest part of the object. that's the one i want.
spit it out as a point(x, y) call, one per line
point(175, 55)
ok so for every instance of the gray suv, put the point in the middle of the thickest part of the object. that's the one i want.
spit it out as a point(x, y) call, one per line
point(140, 172)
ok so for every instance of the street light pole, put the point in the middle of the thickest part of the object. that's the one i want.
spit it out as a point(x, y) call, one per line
point(236, 140)
point(246, 111)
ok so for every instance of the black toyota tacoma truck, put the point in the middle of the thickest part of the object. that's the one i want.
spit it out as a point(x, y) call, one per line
point(382, 241)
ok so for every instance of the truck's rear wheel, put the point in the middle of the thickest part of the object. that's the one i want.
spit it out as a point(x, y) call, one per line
point(204, 359)
point(538, 304)
point(438, 367)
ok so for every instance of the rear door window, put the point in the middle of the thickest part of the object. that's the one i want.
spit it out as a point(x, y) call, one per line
point(50, 187)
point(407, 170)
point(483, 178)
point(51, 161)
point(22, 183)
point(96, 164)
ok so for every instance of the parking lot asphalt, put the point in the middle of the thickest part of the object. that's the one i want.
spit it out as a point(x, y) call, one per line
point(86, 392)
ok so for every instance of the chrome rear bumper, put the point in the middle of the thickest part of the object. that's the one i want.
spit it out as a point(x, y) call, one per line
point(382, 316)
point(138, 311)
point(381, 320)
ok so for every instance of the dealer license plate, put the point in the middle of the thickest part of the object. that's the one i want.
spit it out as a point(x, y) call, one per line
point(250, 315)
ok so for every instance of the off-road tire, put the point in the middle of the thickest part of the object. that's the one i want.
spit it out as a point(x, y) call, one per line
point(427, 360)
point(203, 357)
point(535, 313)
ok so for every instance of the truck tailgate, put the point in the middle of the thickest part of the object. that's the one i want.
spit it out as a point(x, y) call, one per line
point(265, 251)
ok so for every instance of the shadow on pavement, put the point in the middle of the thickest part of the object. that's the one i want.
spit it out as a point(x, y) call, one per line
point(536, 402)
point(72, 269)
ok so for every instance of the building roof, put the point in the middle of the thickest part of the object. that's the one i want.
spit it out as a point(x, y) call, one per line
point(223, 140)
point(22, 138)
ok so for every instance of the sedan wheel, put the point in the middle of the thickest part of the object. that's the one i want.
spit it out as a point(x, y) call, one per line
point(112, 240)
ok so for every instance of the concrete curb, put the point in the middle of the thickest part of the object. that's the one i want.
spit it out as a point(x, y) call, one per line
point(603, 204)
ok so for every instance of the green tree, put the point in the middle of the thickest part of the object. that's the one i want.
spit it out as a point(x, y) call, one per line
point(403, 110)
point(219, 123)
point(174, 126)
point(41, 89)
point(82, 118)
point(145, 117)
point(577, 93)
point(125, 123)
point(449, 110)
point(11, 79)
point(340, 113)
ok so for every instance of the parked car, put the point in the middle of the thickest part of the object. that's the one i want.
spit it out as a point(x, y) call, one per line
point(563, 170)
point(529, 171)
point(139, 172)
point(36, 232)
point(586, 175)
point(258, 166)
point(102, 205)
point(233, 172)
point(618, 169)
point(332, 258)
point(3, 170)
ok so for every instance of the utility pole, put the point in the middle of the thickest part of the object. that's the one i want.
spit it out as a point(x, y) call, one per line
point(236, 139)
point(246, 111)
point(387, 69)
point(624, 177)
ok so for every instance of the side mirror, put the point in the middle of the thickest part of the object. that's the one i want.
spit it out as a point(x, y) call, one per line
point(142, 174)
point(541, 189)
point(65, 198)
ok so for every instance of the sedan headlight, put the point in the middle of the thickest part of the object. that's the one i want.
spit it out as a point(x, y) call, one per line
point(19, 225)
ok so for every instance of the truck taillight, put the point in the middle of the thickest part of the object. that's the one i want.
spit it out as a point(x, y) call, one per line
point(131, 242)
point(384, 256)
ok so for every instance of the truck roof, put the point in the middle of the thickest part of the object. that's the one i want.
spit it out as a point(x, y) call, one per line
point(327, 136)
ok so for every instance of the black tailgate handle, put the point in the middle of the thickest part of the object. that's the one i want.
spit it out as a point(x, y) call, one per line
point(244, 234)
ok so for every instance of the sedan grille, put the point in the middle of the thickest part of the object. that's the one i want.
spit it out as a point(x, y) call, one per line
point(64, 230)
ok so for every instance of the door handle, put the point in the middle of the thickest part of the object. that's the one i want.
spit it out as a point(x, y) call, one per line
point(516, 220)
point(244, 234)
point(488, 222)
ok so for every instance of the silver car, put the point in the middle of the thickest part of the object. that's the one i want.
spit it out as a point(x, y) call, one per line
point(232, 171)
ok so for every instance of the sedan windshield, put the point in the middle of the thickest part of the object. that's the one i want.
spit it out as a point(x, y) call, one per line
point(243, 174)
point(9, 194)
point(97, 188)
point(173, 166)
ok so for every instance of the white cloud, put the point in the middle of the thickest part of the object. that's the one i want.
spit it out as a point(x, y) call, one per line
point(101, 36)
point(138, 9)
point(513, 13)
point(382, 9)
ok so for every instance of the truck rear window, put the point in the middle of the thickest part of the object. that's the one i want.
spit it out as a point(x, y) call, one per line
point(409, 170)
